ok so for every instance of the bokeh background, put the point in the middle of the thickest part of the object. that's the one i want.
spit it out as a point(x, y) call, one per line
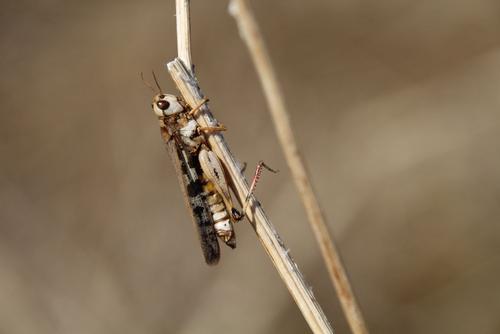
point(396, 108)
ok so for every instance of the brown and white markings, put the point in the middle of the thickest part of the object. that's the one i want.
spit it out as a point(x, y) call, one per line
point(200, 174)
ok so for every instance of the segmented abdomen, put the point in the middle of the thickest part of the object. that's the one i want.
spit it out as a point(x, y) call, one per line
point(221, 217)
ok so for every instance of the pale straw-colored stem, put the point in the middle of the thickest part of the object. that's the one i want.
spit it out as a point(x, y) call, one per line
point(250, 33)
point(183, 21)
point(267, 234)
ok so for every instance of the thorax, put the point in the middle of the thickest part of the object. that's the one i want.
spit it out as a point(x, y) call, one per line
point(186, 129)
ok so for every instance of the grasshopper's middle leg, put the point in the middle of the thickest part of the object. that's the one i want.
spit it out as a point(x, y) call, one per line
point(212, 129)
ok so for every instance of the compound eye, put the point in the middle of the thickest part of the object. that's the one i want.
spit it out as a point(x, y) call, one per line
point(162, 104)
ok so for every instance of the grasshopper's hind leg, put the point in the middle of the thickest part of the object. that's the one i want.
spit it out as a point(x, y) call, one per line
point(220, 202)
point(258, 171)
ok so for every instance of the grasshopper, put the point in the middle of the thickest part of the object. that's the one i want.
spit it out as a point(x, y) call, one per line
point(200, 172)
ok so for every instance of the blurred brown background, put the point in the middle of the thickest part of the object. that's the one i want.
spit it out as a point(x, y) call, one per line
point(399, 122)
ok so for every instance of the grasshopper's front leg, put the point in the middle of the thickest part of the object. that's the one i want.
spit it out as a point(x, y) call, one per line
point(197, 108)
point(205, 129)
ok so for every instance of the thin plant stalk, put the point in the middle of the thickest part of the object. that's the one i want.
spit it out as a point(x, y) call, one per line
point(250, 33)
point(181, 71)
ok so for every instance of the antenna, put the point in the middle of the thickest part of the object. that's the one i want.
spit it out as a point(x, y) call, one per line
point(156, 81)
point(147, 84)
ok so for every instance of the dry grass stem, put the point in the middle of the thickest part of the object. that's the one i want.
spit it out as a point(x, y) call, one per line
point(288, 270)
point(183, 22)
point(284, 264)
point(250, 33)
